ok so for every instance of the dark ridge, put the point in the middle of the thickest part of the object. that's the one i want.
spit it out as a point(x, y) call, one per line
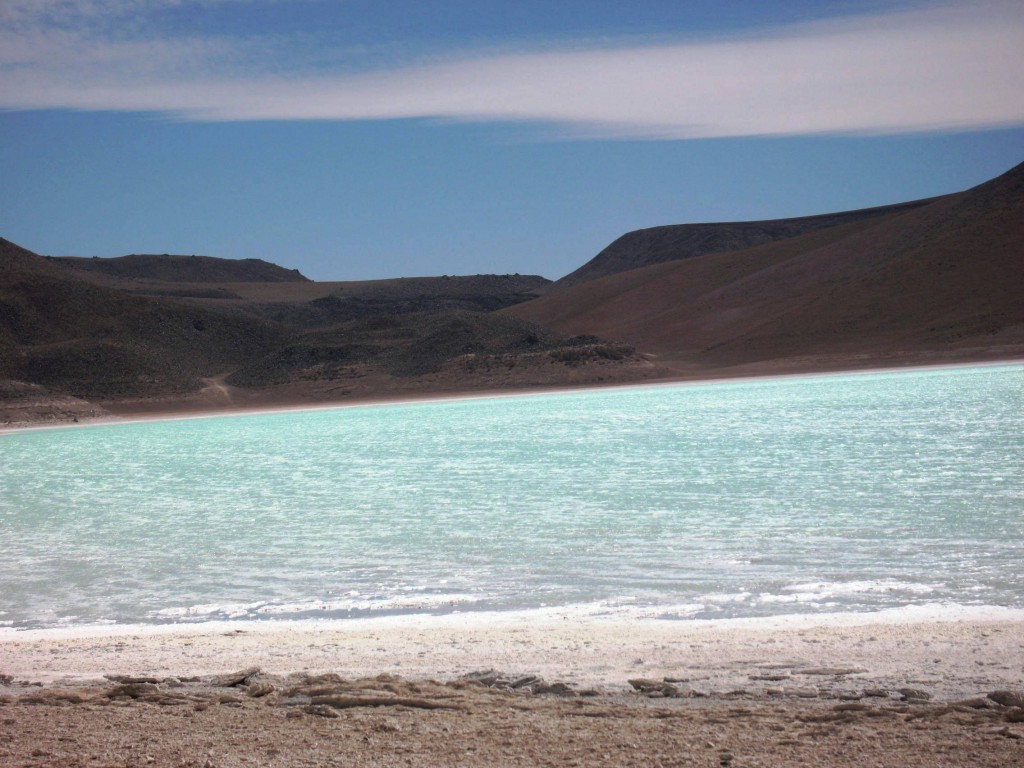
point(656, 245)
point(77, 338)
point(409, 345)
point(475, 293)
point(326, 304)
point(183, 269)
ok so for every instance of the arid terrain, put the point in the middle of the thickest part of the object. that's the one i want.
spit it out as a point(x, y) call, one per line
point(927, 282)
point(932, 282)
point(419, 691)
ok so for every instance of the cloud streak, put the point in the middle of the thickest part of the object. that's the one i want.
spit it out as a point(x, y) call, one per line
point(938, 68)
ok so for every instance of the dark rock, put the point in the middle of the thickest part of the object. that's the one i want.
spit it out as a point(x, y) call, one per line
point(53, 698)
point(976, 703)
point(132, 691)
point(1015, 715)
point(558, 689)
point(914, 693)
point(319, 710)
point(133, 679)
point(258, 690)
point(1008, 698)
point(656, 688)
point(350, 702)
point(485, 677)
point(525, 682)
point(849, 695)
point(234, 678)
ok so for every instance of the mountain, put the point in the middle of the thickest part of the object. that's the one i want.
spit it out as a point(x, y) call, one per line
point(323, 304)
point(86, 340)
point(76, 342)
point(932, 281)
point(183, 269)
point(674, 242)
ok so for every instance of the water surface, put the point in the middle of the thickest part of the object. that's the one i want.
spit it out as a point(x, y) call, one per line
point(751, 498)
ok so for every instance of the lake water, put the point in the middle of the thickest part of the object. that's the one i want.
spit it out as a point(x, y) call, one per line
point(754, 498)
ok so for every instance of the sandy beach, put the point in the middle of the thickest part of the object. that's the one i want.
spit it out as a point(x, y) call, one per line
point(925, 685)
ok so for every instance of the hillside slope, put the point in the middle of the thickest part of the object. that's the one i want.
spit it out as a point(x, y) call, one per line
point(929, 280)
point(674, 242)
point(90, 341)
point(75, 344)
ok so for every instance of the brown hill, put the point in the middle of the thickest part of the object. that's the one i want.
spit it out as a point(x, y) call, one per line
point(925, 282)
point(183, 269)
point(674, 242)
point(308, 304)
point(413, 344)
point(344, 301)
point(77, 344)
point(90, 341)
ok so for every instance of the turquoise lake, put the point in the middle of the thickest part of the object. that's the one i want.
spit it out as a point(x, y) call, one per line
point(750, 498)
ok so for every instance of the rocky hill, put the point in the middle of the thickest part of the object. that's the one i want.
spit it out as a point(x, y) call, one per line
point(86, 340)
point(74, 342)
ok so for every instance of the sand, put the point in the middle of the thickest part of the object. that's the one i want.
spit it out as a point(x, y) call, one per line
point(848, 689)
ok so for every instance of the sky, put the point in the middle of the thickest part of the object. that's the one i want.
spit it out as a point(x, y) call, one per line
point(360, 139)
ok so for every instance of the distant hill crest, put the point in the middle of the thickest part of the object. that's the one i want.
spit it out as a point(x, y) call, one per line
point(184, 269)
point(674, 242)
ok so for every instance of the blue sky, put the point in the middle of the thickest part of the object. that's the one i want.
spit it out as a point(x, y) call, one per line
point(355, 139)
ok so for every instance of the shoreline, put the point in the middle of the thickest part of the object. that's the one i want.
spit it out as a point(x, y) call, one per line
point(950, 652)
point(933, 684)
point(699, 379)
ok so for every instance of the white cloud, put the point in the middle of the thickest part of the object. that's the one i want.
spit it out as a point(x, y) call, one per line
point(946, 67)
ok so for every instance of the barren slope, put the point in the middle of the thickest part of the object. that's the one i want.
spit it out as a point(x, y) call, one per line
point(86, 340)
point(942, 278)
point(674, 242)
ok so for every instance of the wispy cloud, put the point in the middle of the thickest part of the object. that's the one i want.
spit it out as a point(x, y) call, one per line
point(941, 67)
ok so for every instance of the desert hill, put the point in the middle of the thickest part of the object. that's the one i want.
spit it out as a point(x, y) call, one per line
point(75, 342)
point(929, 281)
point(338, 302)
point(183, 269)
point(270, 292)
point(921, 283)
point(674, 242)
point(86, 340)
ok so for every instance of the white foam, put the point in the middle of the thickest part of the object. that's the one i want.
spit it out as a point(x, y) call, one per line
point(588, 614)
